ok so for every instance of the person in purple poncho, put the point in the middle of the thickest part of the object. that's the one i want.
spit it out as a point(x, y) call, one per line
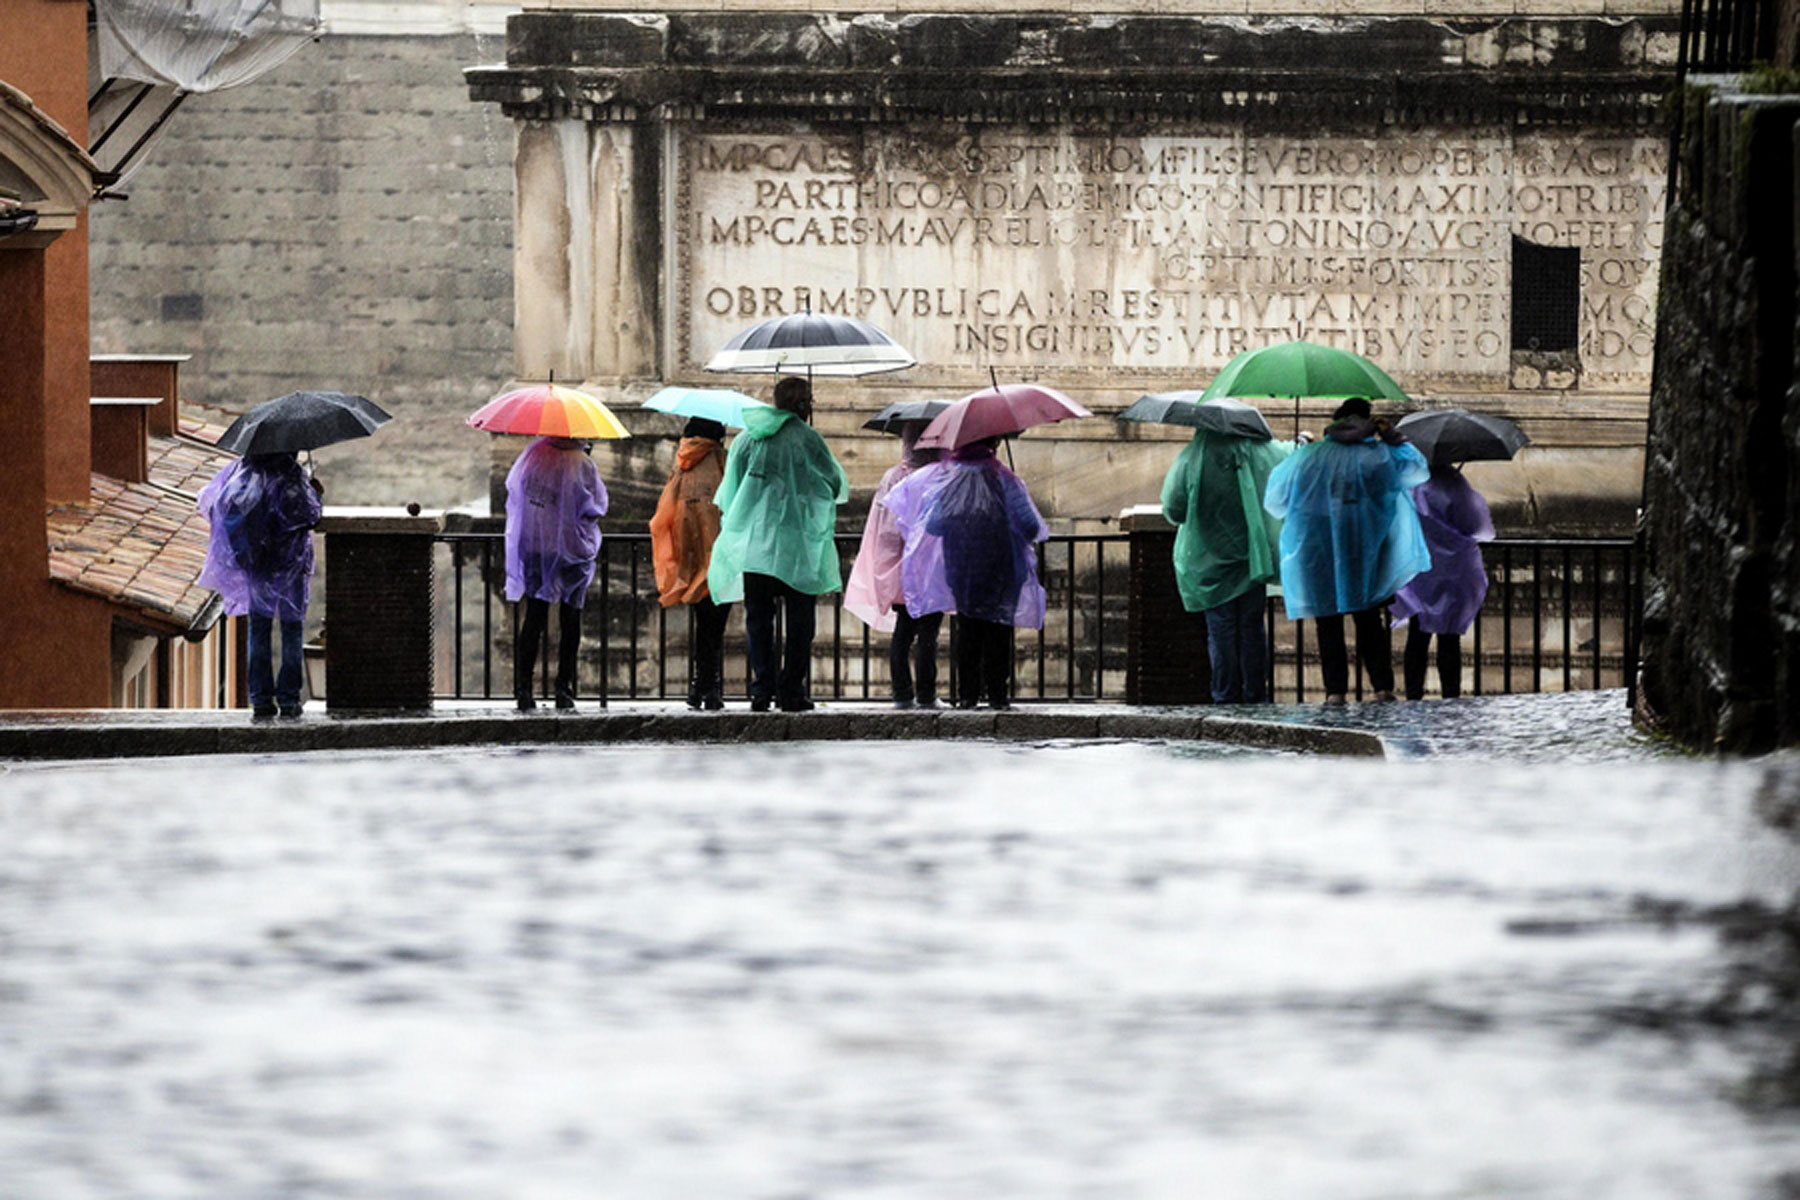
point(554, 502)
point(970, 528)
point(260, 560)
point(875, 593)
point(1445, 600)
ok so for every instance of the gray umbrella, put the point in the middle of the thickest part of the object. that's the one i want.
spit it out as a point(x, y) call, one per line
point(302, 421)
point(1224, 415)
point(902, 412)
point(1453, 435)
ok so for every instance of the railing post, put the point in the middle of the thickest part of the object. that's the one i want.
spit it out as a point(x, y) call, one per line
point(379, 607)
point(1165, 645)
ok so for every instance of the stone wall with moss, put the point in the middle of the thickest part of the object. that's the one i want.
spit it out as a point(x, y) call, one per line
point(1721, 665)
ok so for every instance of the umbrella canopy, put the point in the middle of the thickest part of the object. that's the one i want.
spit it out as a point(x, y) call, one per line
point(713, 404)
point(995, 411)
point(303, 421)
point(548, 410)
point(1453, 435)
point(901, 413)
point(812, 344)
point(1297, 370)
point(1224, 415)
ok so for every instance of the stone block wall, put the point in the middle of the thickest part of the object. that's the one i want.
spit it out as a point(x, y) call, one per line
point(344, 222)
point(1721, 661)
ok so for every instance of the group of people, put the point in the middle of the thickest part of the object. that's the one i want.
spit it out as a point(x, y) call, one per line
point(758, 525)
point(1348, 523)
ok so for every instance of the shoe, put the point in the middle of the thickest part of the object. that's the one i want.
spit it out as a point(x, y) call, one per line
point(713, 702)
point(903, 704)
point(926, 702)
point(1001, 706)
point(1334, 701)
point(759, 704)
point(966, 704)
point(1383, 697)
point(263, 712)
point(526, 703)
point(693, 701)
point(565, 703)
point(801, 704)
point(290, 712)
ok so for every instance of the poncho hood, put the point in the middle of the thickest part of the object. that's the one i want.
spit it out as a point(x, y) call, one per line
point(766, 422)
point(692, 451)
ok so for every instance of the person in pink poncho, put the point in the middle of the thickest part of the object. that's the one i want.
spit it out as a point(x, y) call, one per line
point(554, 502)
point(970, 530)
point(875, 594)
point(1445, 600)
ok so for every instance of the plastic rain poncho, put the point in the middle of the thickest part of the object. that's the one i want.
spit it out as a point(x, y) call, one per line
point(1455, 521)
point(1225, 539)
point(686, 521)
point(970, 526)
point(260, 554)
point(554, 502)
point(875, 585)
point(779, 504)
point(1350, 536)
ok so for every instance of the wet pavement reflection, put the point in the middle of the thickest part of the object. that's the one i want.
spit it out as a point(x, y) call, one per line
point(1531, 955)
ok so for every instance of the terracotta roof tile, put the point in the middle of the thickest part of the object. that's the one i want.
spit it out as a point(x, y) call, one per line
point(139, 545)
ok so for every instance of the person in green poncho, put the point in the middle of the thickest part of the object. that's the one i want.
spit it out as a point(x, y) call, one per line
point(1225, 553)
point(776, 544)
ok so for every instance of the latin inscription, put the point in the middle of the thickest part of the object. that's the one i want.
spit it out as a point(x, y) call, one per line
point(1172, 253)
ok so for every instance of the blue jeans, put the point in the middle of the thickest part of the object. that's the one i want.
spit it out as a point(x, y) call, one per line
point(268, 690)
point(1238, 648)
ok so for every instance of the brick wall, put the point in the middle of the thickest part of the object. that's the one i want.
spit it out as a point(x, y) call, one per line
point(1722, 484)
point(344, 222)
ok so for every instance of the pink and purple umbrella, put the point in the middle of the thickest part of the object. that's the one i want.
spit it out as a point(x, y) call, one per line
point(1004, 408)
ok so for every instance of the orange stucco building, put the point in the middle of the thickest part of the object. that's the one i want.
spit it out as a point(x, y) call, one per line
point(99, 540)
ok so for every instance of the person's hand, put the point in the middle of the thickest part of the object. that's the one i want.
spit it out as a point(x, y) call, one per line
point(1388, 432)
point(1303, 437)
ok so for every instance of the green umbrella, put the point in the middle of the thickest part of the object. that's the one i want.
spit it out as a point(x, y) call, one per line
point(1302, 371)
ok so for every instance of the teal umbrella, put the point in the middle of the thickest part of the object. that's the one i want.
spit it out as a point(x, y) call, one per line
point(1302, 371)
point(714, 404)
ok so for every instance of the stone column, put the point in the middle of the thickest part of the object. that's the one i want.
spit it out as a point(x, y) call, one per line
point(1166, 659)
point(379, 608)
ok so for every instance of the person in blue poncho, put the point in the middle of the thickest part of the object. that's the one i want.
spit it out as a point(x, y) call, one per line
point(554, 502)
point(1444, 601)
point(1350, 539)
point(777, 544)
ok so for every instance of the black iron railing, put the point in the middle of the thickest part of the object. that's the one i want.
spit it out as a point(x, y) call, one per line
point(1726, 35)
point(1560, 615)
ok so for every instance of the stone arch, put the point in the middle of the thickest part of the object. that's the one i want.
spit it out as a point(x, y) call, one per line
point(47, 167)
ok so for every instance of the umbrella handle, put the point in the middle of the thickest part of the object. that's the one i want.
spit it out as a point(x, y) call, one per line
point(993, 378)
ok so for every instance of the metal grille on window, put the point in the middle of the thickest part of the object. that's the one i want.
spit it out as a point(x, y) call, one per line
point(1546, 297)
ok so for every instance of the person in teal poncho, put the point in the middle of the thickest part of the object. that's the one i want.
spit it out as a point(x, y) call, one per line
point(1350, 539)
point(1225, 553)
point(776, 544)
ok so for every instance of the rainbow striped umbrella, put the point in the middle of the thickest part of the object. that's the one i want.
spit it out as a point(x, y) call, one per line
point(548, 410)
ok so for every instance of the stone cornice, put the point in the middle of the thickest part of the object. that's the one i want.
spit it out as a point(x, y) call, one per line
point(1344, 72)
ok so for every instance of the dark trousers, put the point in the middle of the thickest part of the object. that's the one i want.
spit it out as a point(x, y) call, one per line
point(912, 655)
point(1373, 651)
point(525, 647)
point(267, 689)
point(706, 677)
point(762, 595)
point(1238, 649)
point(984, 651)
point(1449, 662)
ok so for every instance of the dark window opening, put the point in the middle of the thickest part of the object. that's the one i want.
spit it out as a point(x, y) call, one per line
point(1546, 297)
point(187, 306)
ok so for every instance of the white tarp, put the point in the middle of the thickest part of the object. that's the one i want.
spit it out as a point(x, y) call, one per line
point(200, 45)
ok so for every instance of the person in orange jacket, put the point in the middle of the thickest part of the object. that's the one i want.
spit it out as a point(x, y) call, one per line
point(682, 532)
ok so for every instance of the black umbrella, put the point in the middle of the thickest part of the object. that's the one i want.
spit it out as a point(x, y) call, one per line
point(1223, 415)
point(1453, 435)
point(902, 412)
point(303, 421)
point(810, 343)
